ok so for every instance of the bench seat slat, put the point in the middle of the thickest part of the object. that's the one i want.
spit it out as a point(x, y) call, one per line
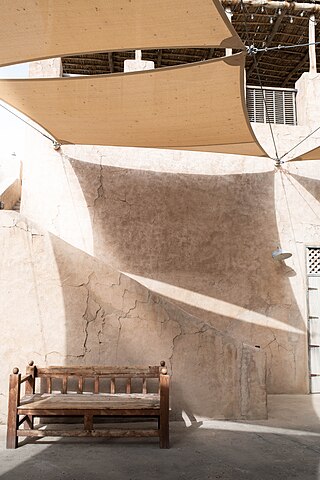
point(81, 402)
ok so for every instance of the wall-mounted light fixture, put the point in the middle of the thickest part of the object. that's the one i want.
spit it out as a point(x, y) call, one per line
point(280, 254)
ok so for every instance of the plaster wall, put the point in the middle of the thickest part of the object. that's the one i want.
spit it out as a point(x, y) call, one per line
point(197, 229)
point(11, 193)
point(10, 180)
point(64, 306)
point(308, 92)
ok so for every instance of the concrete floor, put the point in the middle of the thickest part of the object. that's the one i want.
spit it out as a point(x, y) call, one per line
point(286, 446)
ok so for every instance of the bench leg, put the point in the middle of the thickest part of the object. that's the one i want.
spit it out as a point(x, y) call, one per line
point(164, 431)
point(12, 426)
point(13, 419)
point(164, 409)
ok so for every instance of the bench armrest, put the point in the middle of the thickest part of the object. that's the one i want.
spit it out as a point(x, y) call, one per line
point(25, 378)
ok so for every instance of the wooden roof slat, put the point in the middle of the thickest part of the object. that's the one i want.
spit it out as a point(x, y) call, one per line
point(271, 37)
point(296, 69)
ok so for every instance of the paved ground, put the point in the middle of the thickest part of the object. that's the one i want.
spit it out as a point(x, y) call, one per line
point(287, 446)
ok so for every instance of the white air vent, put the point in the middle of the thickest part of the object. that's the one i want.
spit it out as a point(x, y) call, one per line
point(277, 106)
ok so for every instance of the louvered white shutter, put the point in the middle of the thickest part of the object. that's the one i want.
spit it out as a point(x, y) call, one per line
point(272, 105)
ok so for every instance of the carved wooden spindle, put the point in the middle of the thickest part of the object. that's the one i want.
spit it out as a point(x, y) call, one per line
point(128, 385)
point(96, 384)
point(80, 384)
point(49, 384)
point(113, 386)
point(144, 385)
point(64, 384)
point(30, 389)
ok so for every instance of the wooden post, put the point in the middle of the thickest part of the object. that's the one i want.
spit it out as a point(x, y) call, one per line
point(14, 400)
point(30, 383)
point(164, 407)
point(312, 48)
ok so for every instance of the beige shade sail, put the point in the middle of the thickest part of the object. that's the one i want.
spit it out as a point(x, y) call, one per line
point(197, 106)
point(36, 29)
point(313, 154)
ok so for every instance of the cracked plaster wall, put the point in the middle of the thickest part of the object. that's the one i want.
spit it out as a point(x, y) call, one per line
point(198, 229)
point(64, 306)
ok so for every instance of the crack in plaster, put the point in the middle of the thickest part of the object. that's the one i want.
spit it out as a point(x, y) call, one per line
point(28, 230)
point(55, 218)
point(100, 331)
point(275, 340)
point(124, 200)
point(87, 324)
point(59, 354)
point(100, 190)
point(200, 332)
point(117, 284)
point(84, 315)
point(195, 318)
point(279, 345)
point(83, 284)
point(120, 317)
point(50, 353)
point(180, 334)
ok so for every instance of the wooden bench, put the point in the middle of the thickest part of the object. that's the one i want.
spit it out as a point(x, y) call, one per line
point(73, 400)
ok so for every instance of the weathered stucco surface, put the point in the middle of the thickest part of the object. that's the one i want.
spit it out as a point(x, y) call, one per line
point(66, 307)
point(308, 91)
point(197, 230)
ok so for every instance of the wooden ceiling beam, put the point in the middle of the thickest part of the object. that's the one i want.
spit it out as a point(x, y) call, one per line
point(110, 60)
point(296, 69)
point(159, 58)
point(208, 55)
point(274, 5)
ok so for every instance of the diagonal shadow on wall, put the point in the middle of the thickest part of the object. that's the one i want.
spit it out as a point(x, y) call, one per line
point(209, 235)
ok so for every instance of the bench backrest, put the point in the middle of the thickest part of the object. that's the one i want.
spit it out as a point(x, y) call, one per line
point(109, 379)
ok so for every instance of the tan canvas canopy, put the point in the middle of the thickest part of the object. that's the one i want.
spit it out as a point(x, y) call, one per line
point(36, 29)
point(197, 106)
point(310, 155)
